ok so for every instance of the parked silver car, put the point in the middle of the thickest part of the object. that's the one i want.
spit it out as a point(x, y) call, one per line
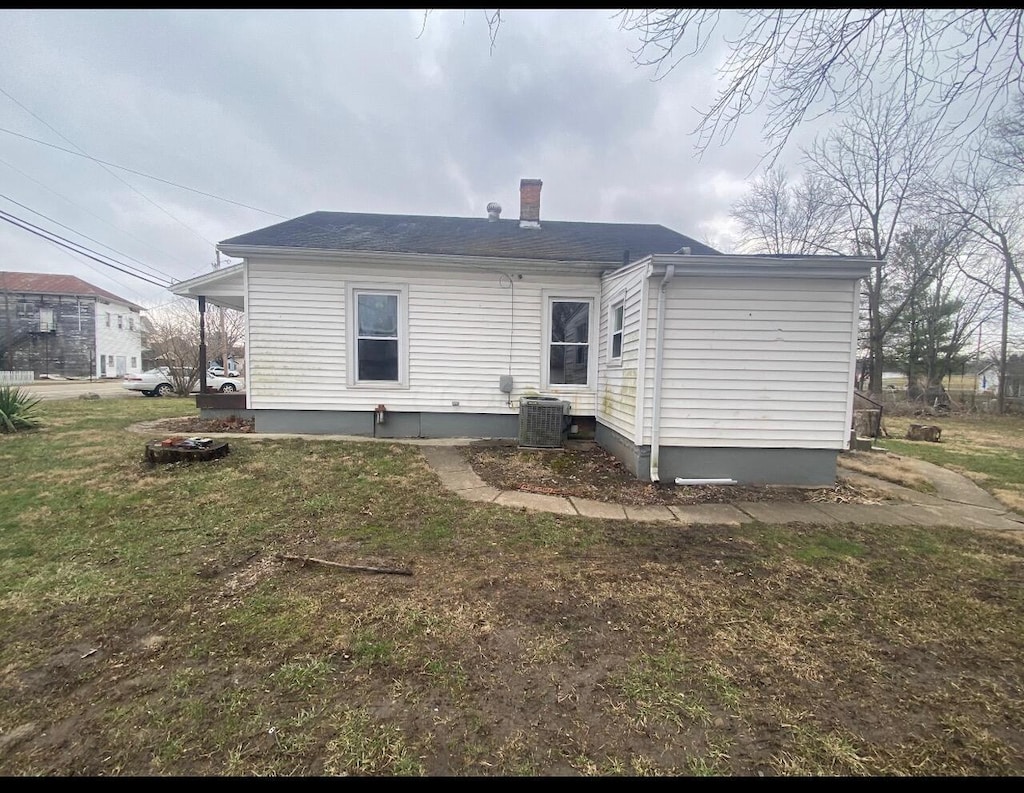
point(157, 382)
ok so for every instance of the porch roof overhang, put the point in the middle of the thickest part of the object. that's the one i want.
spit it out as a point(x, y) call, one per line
point(225, 287)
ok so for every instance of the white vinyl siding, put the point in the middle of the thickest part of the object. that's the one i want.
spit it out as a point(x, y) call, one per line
point(758, 362)
point(466, 328)
point(617, 383)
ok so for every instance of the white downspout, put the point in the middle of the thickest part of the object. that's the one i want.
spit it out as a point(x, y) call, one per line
point(659, 344)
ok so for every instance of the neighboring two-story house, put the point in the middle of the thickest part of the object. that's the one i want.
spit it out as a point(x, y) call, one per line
point(56, 324)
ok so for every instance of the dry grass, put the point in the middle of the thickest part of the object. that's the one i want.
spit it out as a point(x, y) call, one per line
point(888, 467)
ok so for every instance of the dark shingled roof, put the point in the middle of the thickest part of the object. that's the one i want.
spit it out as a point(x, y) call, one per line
point(56, 284)
point(555, 240)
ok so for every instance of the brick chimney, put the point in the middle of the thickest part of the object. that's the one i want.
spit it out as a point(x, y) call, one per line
point(529, 203)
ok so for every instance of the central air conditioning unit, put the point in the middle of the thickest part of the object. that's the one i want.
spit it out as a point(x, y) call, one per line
point(542, 422)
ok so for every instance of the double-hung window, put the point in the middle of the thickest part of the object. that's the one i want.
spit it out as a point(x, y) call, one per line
point(616, 332)
point(569, 341)
point(379, 327)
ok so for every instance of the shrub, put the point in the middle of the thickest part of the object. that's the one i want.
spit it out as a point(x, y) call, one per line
point(17, 409)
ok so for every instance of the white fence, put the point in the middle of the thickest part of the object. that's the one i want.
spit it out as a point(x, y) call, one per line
point(16, 378)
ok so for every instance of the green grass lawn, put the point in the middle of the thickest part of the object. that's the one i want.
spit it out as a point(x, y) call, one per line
point(152, 628)
point(988, 449)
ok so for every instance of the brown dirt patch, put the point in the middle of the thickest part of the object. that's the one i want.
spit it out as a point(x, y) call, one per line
point(194, 424)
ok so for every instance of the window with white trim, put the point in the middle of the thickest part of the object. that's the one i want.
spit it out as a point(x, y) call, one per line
point(120, 322)
point(615, 329)
point(568, 351)
point(378, 336)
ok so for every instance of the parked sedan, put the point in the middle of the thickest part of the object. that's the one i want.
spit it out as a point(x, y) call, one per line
point(217, 370)
point(157, 382)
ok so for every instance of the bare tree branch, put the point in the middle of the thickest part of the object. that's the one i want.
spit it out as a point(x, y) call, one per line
point(800, 64)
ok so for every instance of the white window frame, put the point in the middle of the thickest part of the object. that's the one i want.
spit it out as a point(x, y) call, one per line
point(579, 295)
point(352, 334)
point(617, 306)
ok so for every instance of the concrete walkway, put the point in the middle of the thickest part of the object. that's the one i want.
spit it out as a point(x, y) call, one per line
point(959, 502)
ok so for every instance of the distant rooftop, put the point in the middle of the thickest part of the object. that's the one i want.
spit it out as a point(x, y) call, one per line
point(56, 284)
point(554, 240)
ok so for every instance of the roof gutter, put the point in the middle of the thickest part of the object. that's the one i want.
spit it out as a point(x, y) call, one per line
point(659, 349)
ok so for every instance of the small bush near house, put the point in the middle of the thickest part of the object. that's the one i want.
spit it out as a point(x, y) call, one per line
point(17, 409)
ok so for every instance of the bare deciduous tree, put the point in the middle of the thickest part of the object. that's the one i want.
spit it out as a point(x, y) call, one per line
point(803, 63)
point(981, 196)
point(876, 164)
point(171, 337)
point(778, 216)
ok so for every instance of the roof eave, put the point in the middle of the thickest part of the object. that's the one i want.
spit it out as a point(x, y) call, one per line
point(448, 260)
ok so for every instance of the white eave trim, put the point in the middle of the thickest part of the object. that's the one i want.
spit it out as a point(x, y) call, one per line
point(224, 287)
point(217, 277)
point(738, 265)
point(447, 260)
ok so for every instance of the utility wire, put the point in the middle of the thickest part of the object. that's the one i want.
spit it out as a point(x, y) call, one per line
point(82, 209)
point(56, 239)
point(105, 168)
point(140, 173)
point(85, 236)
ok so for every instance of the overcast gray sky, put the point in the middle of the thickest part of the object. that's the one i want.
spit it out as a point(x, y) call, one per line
point(363, 111)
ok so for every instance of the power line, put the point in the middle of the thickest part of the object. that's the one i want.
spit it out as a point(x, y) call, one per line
point(104, 167)
point(62, 242)
point(78, 206)
point(85, 236)
point(140, 173)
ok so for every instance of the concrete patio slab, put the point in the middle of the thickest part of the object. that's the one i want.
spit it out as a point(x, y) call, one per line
point(589, 508)
point(710, 515)
point(781, 512)
point(536, 502)
point(651, 513)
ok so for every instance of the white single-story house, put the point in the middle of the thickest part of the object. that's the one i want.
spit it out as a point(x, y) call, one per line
point(688, 363)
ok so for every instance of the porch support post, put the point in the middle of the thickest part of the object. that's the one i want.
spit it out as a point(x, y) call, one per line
point(202, 344)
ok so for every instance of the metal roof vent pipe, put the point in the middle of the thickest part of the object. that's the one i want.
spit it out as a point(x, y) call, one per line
point(493, 211)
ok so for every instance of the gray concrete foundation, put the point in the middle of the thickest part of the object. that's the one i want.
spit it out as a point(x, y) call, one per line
point(802, 467)
point(395, 425)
